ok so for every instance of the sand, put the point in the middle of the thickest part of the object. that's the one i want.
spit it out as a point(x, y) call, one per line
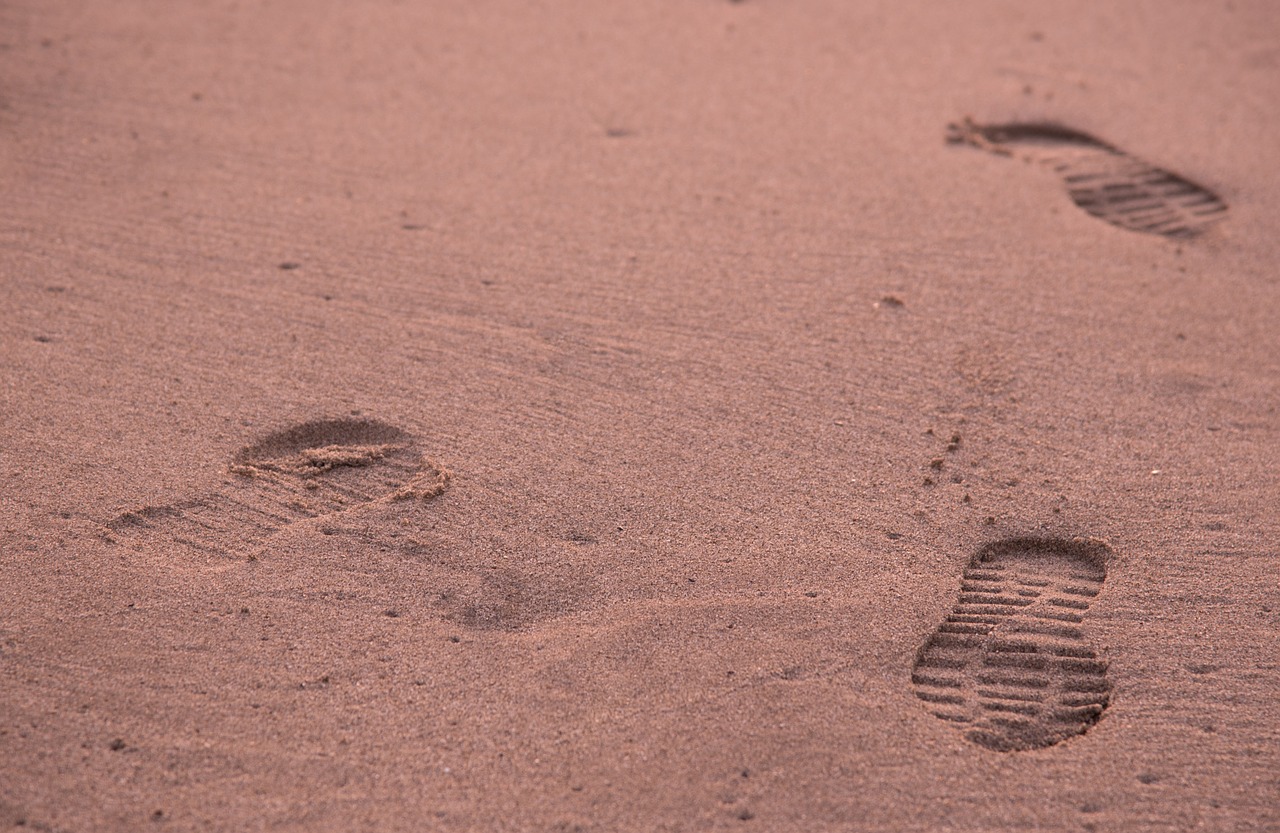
point(595, 416)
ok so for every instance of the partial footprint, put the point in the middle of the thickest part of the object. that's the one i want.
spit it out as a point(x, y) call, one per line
point(313, 469)
point(1010, 665)
point(1103, 180)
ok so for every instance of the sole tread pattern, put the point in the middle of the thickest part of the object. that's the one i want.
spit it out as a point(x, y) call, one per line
point(1013, 672)
point(1103, 180)
point(307, 471)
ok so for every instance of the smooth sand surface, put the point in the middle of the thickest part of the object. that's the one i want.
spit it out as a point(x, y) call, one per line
point(579, 416)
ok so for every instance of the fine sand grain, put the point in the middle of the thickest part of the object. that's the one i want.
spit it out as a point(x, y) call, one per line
point(665, 415)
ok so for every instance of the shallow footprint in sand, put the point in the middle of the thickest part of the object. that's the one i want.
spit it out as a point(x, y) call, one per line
point(309, 470)
point(1103, 180)
point(1010, 665)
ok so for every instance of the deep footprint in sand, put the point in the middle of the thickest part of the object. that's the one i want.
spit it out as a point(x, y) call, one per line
point(1103, 180)
point(1010, 665)
point(313, 469)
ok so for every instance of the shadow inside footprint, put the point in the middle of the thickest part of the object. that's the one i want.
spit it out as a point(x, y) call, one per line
point(1102, 179)
point(306, 471)
point(1010, 664)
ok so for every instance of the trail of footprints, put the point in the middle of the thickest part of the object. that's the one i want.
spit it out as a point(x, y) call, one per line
point(309, 470)
point(1104, 180)
point(1010, 665)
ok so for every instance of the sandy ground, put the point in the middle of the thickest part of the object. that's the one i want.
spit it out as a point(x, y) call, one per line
point(579, 416)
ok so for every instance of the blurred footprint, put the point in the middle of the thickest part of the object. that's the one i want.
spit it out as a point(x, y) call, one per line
point(1102, 179)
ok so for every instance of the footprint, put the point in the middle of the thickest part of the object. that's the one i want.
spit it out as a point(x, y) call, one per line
point(1010, 665)
point(309, 470)
point(1103, 180)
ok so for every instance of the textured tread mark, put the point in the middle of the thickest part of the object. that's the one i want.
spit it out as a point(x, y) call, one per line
point(1081, 651)
point(965, 609)
point(992, 599)
point(1018, 673)
point(307, 471)
point(1058, 616)
point(1064, 633)
point(962, 627)
point(1085, 700)
point(975, 620)
point(1086, 685)
point(934, 697)
point(935, 681)
point(1011, 708)
point(1011, 646)
point(1101, 179)
point(1029, 662)
point(1023, 696)
point(1011, 680)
